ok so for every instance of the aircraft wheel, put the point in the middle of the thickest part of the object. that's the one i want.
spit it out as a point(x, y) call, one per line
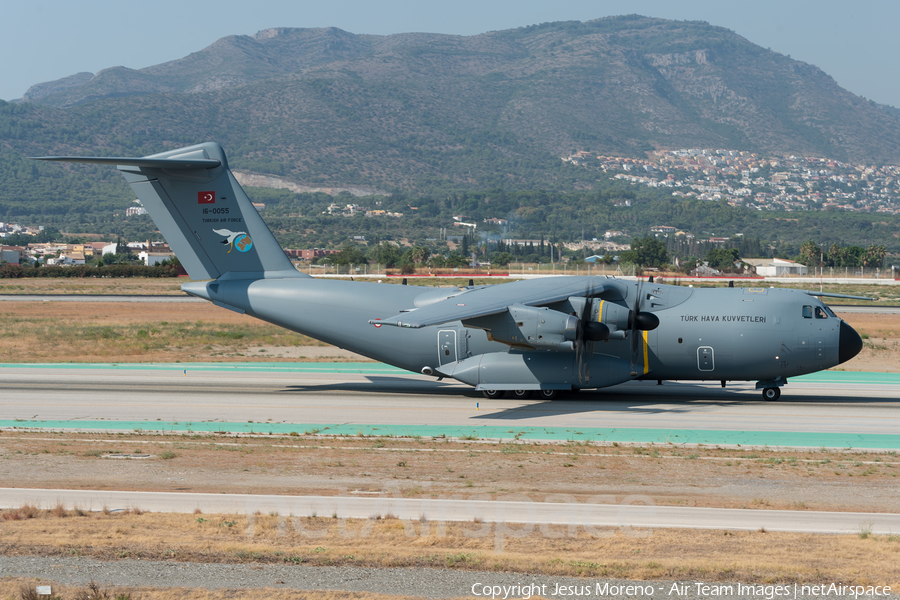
point(492, 394)
point(520, 394)
point(771, 394)
point(548, 394)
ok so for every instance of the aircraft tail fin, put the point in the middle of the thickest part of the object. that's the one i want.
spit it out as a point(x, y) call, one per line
point(202, 212)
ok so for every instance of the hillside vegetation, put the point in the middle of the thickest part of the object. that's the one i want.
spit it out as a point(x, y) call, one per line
point(428, 115)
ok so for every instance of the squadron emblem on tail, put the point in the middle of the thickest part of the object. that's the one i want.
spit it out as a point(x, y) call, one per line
point(235, 239)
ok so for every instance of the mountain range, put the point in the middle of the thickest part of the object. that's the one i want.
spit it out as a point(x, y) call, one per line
point(419, 112)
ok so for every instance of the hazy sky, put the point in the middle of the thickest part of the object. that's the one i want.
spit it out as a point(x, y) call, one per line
point(42, 40)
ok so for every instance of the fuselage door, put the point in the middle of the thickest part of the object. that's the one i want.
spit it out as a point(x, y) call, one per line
point(446, 346)
point(705, 359)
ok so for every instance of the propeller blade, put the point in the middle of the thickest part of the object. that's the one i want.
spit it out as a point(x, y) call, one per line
point(587, 332)
point(632, 322)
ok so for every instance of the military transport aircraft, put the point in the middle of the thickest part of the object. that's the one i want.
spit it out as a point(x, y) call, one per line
point(547, 335)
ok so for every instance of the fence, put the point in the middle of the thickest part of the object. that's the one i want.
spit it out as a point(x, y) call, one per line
point(576, 268)
point(512, 269)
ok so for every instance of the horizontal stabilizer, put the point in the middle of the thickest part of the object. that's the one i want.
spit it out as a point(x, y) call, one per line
point(202, 211)
point(168, 164)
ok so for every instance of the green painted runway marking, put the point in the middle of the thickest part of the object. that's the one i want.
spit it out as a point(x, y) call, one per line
point(853, 377)
point(711, 437)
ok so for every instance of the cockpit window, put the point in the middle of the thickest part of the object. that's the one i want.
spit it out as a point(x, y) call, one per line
point(807, 312)
point(820, 313)
point(830, 312)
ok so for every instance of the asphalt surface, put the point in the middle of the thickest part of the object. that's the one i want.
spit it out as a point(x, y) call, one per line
point(96, 298)
point(865, 309)
point(849, 404)
point(635, 512)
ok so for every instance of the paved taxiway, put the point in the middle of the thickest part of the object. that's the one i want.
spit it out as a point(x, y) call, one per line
point(97, 298)
point(833, 403)
point(636, 511)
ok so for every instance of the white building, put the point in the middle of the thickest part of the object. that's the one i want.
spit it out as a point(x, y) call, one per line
point(778, 267)
point(154, 258)
point(74, 258)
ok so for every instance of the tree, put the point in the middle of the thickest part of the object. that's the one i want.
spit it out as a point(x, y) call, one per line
point(723, 259)
point(750, 246)
point(501, 258)
point(385, 254)
point(418, 254)
point(437, 261)
point(810, 254)
point(874, 256)
point(349, 255)
point(646, 252)
point(454, 259)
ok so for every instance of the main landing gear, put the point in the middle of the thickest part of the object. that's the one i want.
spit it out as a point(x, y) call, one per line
point(771, 393)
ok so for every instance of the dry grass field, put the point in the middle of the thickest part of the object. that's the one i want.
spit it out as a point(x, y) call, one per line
point(881, 342)
point(12, 588)
point(308, 464)
point(75, 285)
point(749, 557)
point(138, 332)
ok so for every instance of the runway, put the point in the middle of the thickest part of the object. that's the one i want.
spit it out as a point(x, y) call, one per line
point(633, 512)
point(98, 298)
point(833, 409)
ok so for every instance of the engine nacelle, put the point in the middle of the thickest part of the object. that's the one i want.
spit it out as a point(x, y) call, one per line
point(531, 327)
point(615, 316)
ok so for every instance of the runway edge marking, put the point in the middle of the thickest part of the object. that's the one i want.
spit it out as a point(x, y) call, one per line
point(854, 377)
point(674, 437)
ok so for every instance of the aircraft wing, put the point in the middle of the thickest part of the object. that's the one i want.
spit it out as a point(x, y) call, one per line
point(495, 299)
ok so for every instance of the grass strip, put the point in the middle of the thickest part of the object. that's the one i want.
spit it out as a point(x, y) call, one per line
point(385, 541)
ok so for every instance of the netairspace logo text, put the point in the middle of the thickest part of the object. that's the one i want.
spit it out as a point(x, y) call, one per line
point(762, 592)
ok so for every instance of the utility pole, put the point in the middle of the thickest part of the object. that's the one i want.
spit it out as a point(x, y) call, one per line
point(821, 267)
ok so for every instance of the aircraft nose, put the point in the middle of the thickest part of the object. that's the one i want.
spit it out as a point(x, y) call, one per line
point(849, 343)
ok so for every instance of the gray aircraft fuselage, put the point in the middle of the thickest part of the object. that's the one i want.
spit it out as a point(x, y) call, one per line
point(703, 334)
